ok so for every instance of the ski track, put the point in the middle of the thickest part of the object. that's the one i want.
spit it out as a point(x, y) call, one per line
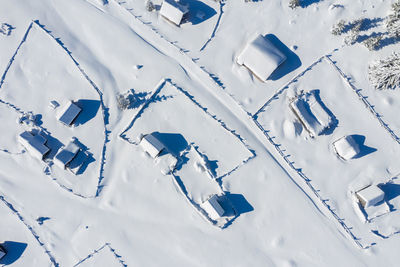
point(96, 251)
point(30, 228)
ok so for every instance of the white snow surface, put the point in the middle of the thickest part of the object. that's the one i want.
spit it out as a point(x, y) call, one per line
point(230, 134)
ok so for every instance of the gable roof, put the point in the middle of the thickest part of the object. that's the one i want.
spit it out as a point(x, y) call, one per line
point(69, 113)
point(66, 154)
point(213, 208)
point(346, 147)
point(261, 57)
point(34, 144)
point(173, 11)
point(152, 145)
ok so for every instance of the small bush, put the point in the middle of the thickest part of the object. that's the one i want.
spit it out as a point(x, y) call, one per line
point(294, 4)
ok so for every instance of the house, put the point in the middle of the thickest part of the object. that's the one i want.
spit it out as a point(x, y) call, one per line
point(69, 113)
point(173, 11)
point(66, 154)
point(151, 145)
point(370, 195)
point(34, 143)
point(213, 207)
point(76, 164)
point(312, 115)
point(3, 252)
point(261, 57)
point(346, 147)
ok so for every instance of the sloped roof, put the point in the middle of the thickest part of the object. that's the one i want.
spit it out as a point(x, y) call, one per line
point(173, 11)
point(262, 57)
point(213, 208)
point(371, 195)
point(66, 154)
point(151, 145)
point(34, 144)
point(346, 147)
point(69, 113)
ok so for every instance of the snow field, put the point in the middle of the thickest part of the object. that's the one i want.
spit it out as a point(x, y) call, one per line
point(173, 112)
point(38, 76)
point(333, 177)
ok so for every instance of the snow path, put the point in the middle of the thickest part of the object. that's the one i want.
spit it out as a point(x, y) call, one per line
point(106, 245)
point(35, 235)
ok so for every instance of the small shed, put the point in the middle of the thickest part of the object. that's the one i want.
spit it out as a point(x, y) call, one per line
point(77, 162)
point(34, 143)
point(173, 11)
point(69, 113)
point(151, 145)
point(66, 154)
point(213, 207)
point(346, 147)
point(261, 57)
point(370, 196)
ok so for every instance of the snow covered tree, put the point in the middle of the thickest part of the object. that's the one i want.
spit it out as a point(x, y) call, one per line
point(150, 6)
point(5, 28)
point(393, 20)
point(385, 74)
point(373, 42)
point(338, 28)
point(294, 4)
point(123, 101)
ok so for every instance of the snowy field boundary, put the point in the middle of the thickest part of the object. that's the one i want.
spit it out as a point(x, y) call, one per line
point(104, 108)
point(221, 13)
point(30, 228)
point(96, 251)
point(157, 90)
point(347, 229)
point(364, 100)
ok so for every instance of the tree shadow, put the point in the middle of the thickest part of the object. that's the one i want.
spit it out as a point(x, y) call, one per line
point(174, 142)
point(89, 110)
point(198, 11)
point(364, 150)
point(291, 63)
point(306, 3)
point(14, 252)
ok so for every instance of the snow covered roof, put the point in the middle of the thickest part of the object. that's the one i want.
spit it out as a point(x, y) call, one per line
point(77, 162)
point(66, 154)
point(261, 57)
point(34, 144)
point(173, 11)
point(213, 208)
point(69, 113)
point(151, 145)
point(370, 195)
point(311, 113)
point(2, 252)
point(346, 147)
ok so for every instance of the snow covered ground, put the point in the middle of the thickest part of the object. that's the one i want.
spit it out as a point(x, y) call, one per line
point(233, 134)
